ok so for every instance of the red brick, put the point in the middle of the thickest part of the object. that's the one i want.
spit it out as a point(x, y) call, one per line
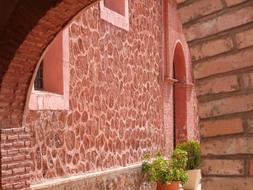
point(234, 2)
point(221, 127)
point(247, 80)
point(12, 137)
point(223, 64)
point(6, 146)
point(19, 185)
point(214, 86)
point(7, 187)
point(251, 167)
point(19, 157)
point(198, 9)
point(222, 167)
point(6, 159)
point(228, 146)
point(227, 183)
point(18, 144)
point(235, 104)
point(250, 125)
point(6, 173)
point(244, 38)
point(24, 136)
point(12, 152)
point(220, 23)
point(211, 48)
point(18, 170)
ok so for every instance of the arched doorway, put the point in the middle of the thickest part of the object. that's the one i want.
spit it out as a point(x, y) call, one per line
point(179, 96)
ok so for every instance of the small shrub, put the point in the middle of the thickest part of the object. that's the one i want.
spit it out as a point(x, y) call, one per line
point(157, 169)
point(194, 154)
point(163, 170)
point(178, 165)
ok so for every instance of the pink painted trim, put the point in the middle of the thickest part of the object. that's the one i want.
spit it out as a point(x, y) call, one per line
point(42, 100)
point(115, 18)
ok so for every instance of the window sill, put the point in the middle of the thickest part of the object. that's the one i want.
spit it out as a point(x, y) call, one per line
point(40, 100)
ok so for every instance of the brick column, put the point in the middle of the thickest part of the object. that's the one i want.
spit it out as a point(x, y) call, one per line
point(220, 36)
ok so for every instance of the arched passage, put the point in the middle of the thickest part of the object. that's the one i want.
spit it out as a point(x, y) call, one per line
point(179, 95)
point(29, 29)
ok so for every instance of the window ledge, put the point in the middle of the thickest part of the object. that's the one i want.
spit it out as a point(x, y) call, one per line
point(48, 101)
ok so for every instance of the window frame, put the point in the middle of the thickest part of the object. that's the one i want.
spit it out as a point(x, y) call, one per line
point(44, 100)
point(115, 18)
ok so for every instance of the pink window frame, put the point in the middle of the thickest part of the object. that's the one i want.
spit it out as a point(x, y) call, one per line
point(116, 19)
point(43, 100)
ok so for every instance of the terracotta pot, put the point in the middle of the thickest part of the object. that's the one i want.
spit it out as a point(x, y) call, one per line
point(168, 186)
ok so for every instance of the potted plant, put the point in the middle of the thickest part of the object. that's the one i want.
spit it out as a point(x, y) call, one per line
point(168, 174)
point(193, 164)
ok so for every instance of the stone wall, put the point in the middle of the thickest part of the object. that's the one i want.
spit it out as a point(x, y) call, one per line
point(116, 95)
point(220, 36)
point(115, 98)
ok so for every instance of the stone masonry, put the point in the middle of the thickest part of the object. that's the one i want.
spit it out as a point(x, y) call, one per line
point(115, 98)
point(117, 89)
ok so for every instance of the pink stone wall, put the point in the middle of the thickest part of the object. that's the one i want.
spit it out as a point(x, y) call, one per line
point(115, 98)
point(115, 114)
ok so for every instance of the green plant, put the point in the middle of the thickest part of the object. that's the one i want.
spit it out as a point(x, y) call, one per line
point(157, 169)
point(179, 159)
point(178, 165)
point(163, 170)
point(193, 150)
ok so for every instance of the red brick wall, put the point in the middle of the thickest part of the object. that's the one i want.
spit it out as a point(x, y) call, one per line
point(220, 35)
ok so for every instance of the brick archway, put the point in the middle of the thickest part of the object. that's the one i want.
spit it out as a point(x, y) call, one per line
point(24, 39)
point(32, 25)
point(179, 94)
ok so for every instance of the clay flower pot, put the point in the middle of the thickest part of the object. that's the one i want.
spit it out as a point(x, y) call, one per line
point(168, 186)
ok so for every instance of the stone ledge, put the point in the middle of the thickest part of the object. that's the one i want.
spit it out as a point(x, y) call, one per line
point(131, 176)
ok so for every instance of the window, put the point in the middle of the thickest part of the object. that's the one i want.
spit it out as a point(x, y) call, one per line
point(115, 12)
point(50, 86)
point(116, 6)
point(38, 82)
